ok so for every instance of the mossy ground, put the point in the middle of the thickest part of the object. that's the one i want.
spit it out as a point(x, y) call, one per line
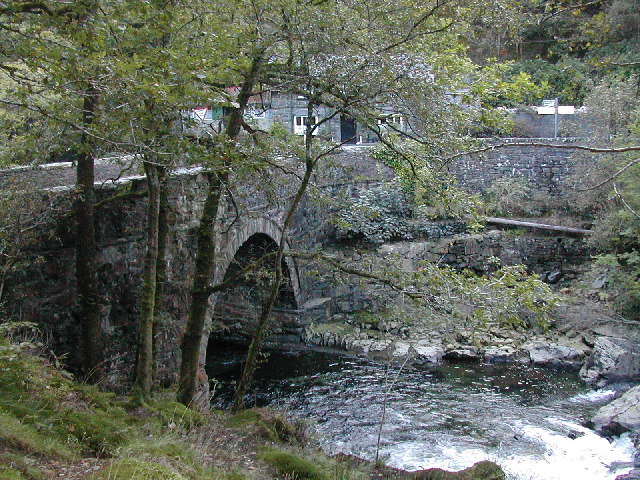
point(54, 427)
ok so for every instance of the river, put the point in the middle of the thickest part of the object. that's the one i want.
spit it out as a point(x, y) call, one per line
point(527, 419)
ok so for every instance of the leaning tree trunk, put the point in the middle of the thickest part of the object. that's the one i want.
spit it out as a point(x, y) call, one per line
point(205, 254)
point(144, 368)
point(267, 307)
point(86, 248)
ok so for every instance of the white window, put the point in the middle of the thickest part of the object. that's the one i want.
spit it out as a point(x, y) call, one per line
point(395, 121)
point(300, 123)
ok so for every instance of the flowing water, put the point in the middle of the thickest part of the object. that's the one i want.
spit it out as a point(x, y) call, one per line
point(527, 419)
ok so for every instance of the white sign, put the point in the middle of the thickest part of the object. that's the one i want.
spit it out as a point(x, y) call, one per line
point(562, 110)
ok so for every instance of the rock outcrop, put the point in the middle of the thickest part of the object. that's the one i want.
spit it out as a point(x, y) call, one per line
point(612, 360)
point(543, 353)
point(621, 415)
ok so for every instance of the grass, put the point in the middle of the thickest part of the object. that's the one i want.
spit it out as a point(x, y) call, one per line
point(8, 473)
point(16, 435)
point(293, 465)
point(132, 468)
point(271, 425)
point(44, 414)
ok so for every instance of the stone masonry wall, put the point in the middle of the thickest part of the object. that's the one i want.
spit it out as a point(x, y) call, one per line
point(545, 168)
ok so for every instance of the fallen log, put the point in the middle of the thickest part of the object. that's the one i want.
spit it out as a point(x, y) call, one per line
point(542, 226)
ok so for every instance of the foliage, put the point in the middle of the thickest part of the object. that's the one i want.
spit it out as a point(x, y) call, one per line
point(566, 79)
point(614, 105)
point(377, 214)
point(623, 280)
point(507, 295)
point(507, 196)
point(495, 88)
point(432, 191)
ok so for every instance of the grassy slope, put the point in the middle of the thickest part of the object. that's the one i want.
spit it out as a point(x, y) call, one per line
point(54, 427)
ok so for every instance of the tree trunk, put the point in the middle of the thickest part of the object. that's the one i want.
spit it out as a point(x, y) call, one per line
point(161, 264)
point(205, 257)
point(144, 368)
point(86, 248)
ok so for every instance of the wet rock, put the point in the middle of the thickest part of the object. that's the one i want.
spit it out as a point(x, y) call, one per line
point(554, 277)
point(484, 470)
point(464, 352)
point(428, 353)
point(612, 360)
point(621, 415)
point(599, 282)
point(499, 355)
point(400, 349)
point(543, 353)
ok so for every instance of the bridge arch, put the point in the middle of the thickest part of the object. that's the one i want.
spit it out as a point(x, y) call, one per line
point(232, 314)
point(232, 241)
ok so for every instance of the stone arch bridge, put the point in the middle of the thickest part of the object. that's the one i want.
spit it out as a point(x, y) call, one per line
point(45, 292)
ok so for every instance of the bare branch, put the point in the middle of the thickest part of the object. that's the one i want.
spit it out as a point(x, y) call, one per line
point(488, 148)
point(611, 177)
point(624, 202)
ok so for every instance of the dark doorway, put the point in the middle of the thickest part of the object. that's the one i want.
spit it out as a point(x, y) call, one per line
point(348, 131)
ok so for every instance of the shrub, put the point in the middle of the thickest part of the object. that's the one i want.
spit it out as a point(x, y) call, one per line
point(377, 215)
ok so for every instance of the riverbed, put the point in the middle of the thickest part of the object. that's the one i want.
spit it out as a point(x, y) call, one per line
point(527, 419)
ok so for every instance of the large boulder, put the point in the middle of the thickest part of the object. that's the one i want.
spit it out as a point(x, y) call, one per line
point(612, 360)
point(484, 470)
point(621, 415)
point(542, 353)
point(463, 352)
point(428, 353)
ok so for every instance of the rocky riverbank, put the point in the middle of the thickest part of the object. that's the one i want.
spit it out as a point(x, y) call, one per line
point(584, 336)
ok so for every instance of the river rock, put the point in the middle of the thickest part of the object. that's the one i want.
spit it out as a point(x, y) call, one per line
point(428, 353)
point(613, 359)
point(400, 349)
point(463, 352)
point(484, 470)
point(619, 416)
point(543, 353)
point(499, 355)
